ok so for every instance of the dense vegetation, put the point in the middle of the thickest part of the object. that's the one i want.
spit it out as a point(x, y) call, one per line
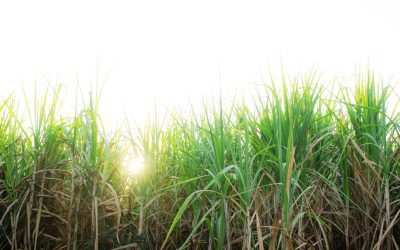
point(309, 167)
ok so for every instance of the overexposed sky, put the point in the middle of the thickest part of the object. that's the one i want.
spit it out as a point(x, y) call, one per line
point(173, 51)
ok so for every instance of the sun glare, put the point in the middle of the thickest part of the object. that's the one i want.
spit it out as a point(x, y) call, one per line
point(134, 167)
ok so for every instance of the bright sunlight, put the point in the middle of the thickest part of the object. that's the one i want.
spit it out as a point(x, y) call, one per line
point(176, 52)
point(134, 167)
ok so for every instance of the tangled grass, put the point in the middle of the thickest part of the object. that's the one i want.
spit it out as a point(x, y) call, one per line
point(308, 168)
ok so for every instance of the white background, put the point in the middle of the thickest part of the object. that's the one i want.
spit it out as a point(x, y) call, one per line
point(173, 51)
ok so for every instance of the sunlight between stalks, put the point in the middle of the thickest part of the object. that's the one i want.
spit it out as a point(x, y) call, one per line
point(133, 167)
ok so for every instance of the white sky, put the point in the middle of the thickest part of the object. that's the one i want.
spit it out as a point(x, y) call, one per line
point(175, 50)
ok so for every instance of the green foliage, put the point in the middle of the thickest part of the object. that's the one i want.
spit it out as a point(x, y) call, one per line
point(300, 167)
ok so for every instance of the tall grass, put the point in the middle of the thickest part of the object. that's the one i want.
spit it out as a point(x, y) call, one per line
point(302, 167)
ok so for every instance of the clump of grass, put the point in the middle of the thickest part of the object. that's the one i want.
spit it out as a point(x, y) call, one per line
point(302, 167)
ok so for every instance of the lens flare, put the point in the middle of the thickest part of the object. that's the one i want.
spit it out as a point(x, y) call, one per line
point(134, 167)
